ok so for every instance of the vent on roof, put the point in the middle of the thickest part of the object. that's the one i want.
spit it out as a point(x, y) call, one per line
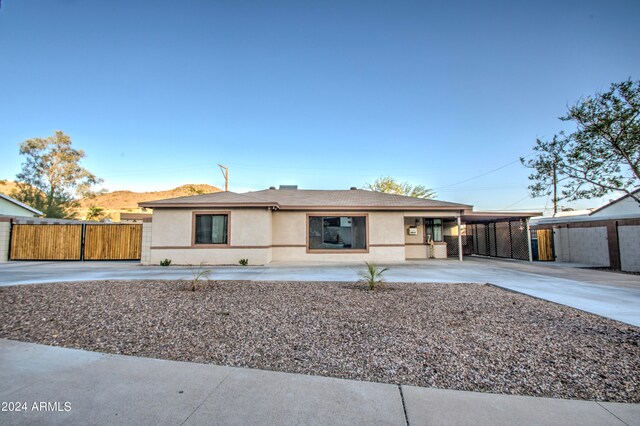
point(353, 188)
point(288, 187)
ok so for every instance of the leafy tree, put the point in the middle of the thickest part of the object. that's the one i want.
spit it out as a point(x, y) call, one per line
point(95, 213)
point(51, 176)
point(601, 156)
point(389, 185)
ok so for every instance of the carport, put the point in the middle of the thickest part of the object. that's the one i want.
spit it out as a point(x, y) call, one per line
point(496, 234)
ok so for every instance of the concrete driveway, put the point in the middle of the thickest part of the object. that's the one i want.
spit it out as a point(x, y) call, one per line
point(610, 294)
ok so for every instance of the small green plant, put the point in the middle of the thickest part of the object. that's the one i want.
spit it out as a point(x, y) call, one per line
point(165, 262)
point(372, 276)
point(199, 276)
point(244, 262)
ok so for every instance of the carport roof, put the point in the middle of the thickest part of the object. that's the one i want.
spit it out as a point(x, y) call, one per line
point(298, 199)
point(483, 217)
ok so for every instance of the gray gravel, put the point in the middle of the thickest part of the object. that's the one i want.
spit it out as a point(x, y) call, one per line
point(454, 336)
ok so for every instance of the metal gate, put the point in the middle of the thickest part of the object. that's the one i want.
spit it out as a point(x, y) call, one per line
point(75, 242)
point(506, 239)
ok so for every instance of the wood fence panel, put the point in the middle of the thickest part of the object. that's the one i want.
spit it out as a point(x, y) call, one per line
point(545, 244)
point(46, 242)
point(113, 242)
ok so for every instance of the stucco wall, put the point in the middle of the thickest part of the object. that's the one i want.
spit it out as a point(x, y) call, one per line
point(228, 256)
point(629, 240)
point(582, 245)
point(376, 254)
point(415, 247)
point(145, 254)
point(10, 209)
point(249, 238)
point(386, 238)
point(4, 241)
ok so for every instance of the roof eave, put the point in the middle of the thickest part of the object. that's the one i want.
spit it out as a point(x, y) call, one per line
point(203, 205)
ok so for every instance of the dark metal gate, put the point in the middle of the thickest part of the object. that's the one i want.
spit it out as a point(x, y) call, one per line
point(506, 239)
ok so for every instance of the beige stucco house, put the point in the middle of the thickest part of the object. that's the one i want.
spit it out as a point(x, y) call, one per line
point(301, 225)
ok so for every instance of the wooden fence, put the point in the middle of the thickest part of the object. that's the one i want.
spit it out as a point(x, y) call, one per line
point(545, 244)
point(76, 242)
point(46, 242)
point(112, 242)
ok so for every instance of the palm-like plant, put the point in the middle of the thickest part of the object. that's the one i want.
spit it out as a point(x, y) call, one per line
point(199, 275)
point(95, 213)
point(372, 276)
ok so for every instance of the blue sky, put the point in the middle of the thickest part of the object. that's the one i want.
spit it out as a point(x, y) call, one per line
point(326, 95)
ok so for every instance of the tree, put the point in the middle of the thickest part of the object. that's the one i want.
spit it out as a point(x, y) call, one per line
point(389, 185)
point(601, 156)
point(51, 176)
point(94, 213)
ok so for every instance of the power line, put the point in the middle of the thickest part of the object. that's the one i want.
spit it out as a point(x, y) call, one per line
point(513, 204)
point(484, 174)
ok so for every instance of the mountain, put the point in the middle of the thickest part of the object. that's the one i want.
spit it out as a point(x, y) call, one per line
point(114, 203)
point(118, 202)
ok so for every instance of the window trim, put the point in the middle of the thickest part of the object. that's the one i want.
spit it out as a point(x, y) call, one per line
point(207, 212)
point(333, 214)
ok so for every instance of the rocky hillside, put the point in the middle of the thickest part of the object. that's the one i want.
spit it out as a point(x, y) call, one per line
point(114, 203)
point(118, 202)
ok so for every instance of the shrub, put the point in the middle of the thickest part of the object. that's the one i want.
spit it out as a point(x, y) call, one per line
point(372, 276)
point(165, 262)
point(244, 262)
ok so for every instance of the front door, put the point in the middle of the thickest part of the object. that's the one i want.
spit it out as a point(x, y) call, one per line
point(432, 230)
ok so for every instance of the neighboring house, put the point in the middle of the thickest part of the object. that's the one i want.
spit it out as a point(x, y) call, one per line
point(304, 225)
point(134, 217)
point(605, 237)
point(12, 207)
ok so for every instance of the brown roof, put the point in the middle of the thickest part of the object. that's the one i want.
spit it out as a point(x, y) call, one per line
point(299, 199)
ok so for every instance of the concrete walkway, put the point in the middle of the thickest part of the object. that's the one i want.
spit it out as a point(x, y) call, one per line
point(612, 295)
point(115, 389)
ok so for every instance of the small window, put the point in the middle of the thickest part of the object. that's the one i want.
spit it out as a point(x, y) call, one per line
point(211, 229)
point(337, 232)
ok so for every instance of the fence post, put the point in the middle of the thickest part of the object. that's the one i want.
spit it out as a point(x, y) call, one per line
point(613, 245)
point(82, 234)
point(147, 228)
point(5, 239)
point(459, 239)
point(510, 240)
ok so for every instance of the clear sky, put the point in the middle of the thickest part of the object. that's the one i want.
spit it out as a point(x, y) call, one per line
point(323, 94)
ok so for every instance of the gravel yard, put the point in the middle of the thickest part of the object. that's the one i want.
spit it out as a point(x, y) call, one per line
point(454, 336)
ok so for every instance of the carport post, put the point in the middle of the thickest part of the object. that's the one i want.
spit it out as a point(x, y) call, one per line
point(529, 240)
point(460, 238)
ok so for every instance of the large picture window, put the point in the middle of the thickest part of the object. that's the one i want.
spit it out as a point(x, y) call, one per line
point(337, 232)
point(211, 229)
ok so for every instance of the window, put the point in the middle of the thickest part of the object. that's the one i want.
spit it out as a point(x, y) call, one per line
point(433, 229)
point(211, 229)
point(337, 232)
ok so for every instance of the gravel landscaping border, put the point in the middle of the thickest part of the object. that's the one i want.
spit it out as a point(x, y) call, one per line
point(454, 336)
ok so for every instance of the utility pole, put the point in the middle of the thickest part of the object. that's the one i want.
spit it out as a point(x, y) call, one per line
point(555, 189)
point(225, 173)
